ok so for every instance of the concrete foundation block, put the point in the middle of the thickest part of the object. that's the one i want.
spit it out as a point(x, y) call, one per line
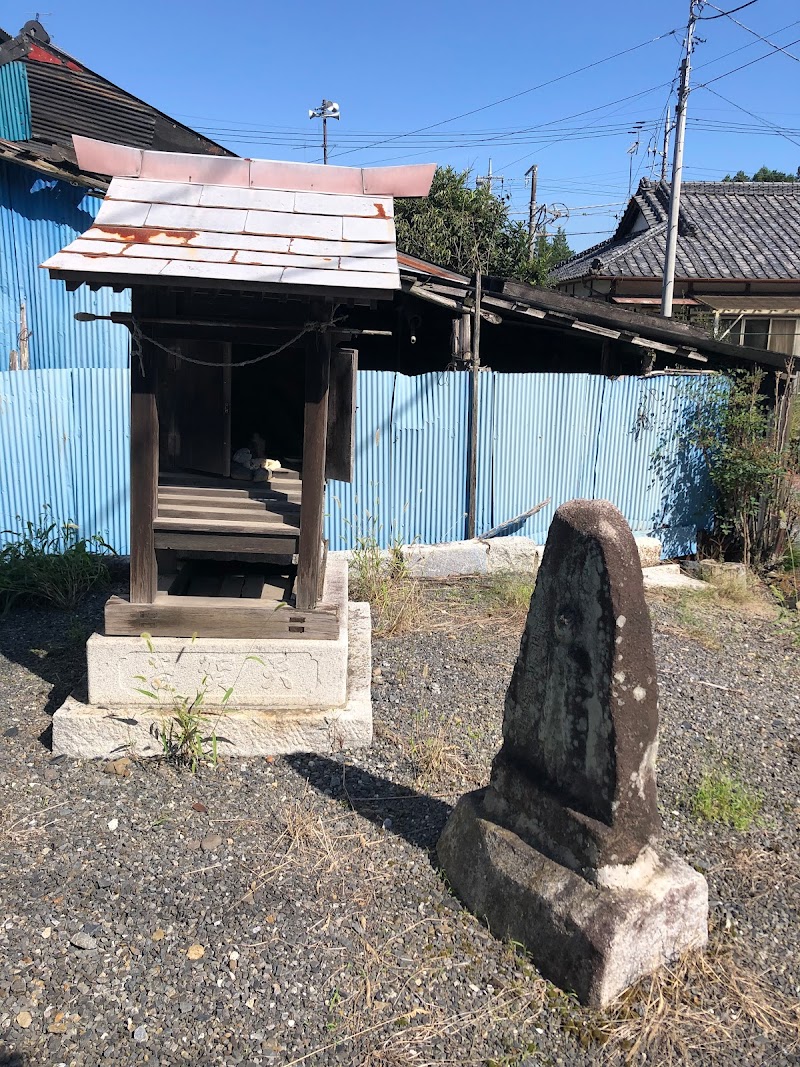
point(716, 573)
point(649, 551)
point(513, 555)
point(103, 731)
point(262, 673)
point(595, 940)
point(449, 560)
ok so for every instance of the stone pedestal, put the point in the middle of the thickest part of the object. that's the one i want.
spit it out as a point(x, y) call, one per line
point(286, 695)
point(593, 940)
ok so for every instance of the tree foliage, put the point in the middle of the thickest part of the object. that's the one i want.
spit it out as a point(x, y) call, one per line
point(763, 174)
point(466, 229)
point(749, 458)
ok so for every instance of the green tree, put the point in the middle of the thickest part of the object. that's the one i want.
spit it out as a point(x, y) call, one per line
point(466, 229)
point(763, 174)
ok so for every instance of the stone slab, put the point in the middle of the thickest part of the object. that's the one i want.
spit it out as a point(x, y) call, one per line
point(88, 731)
point(669, 576)
point(264, 673)
point(495, 555)
point(595, 940)
point(450, 560)
point(512, 555)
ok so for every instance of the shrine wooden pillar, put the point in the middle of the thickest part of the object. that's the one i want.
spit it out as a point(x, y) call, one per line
point(312, 503)
point(144, 461)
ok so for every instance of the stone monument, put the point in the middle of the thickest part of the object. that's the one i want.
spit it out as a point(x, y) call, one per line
point(560, 851)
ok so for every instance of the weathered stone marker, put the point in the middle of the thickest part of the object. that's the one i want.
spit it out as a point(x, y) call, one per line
point(560, 851)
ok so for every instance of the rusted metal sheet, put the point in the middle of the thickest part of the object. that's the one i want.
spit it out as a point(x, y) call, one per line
point(149, 227)
point(102, 157)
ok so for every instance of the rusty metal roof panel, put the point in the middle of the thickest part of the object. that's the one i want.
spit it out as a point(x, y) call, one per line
point(198, 218)
point(102, 157)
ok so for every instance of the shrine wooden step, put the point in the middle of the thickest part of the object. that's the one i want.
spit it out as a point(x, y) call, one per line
point(206, 523)
point(229, 498)
point(187, 616)
point(278, 511)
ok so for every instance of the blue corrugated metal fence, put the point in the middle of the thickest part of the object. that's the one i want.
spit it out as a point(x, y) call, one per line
point(540, 435)
point(64, 442)
point(64, 438)
point(38, 217)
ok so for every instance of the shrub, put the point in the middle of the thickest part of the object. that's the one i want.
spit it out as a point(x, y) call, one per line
point(744, 439)
point(49, 563)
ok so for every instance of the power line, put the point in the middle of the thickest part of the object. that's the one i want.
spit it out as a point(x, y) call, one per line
point(710, 18)
point(752, 115)
point(766, 40)
point(523, 92)
point(767, 55)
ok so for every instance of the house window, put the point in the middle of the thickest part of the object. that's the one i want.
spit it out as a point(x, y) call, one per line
point(779, 333)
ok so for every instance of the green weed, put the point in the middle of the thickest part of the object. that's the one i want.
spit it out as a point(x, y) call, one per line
point(721, 798)
point(47, 562)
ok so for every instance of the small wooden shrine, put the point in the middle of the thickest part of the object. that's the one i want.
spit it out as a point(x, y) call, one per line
point(242, 387)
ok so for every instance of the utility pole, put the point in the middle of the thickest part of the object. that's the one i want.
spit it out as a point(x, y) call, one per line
point(668, 285)
point(328, 109)
point(534, 172)
point(488, 179)
point(475, 368)
point(665, 150)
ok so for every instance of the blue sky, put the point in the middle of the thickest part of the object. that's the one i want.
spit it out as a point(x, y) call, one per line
point(246, 74)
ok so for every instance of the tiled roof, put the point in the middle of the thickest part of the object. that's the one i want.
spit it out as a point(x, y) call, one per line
point(726, 230)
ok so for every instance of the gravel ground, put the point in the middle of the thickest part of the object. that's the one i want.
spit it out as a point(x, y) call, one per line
point(290, 911)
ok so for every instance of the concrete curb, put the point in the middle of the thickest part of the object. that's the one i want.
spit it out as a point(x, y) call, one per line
point(496, 555)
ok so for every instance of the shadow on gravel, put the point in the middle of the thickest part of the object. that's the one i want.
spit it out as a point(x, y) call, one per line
point(414, 816)
point(51, 643)
point(12, 1059)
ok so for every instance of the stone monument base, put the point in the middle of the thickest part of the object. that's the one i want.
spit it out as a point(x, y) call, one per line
point(595, 940)
point(131, 726)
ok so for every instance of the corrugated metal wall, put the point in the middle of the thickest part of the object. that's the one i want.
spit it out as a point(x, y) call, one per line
point(15, 102)
point(540, 435)
point(64, 442)
point(38, 216)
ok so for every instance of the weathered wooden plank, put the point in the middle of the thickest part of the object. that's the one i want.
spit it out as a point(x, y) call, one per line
point(172, 616)
point(201, 524)
point(290, 513)
point(341, 437)
point(229, 544)
point(315, 430)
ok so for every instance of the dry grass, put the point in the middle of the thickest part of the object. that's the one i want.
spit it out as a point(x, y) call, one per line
point(432, 754)
point(758, 872)
point(704, 1004)
point(385, 585)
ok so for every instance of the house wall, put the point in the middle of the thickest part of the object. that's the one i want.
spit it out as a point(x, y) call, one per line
point(38, 216)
